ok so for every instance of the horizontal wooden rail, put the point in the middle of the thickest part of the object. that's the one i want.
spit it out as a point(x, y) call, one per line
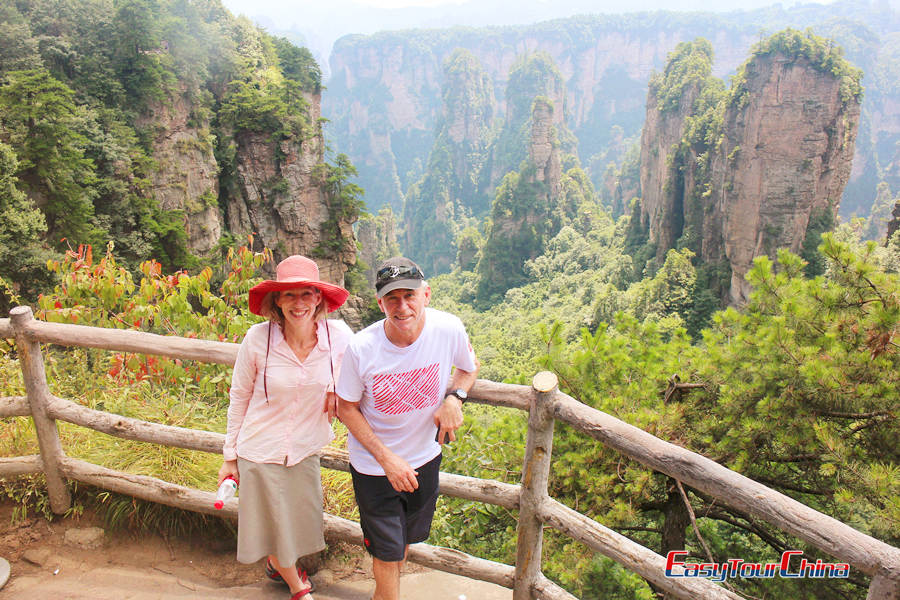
point(509, 395)
point(14, 406)
point(6, 330)
point(459, 486)
point(21, 465)
point(225, 353)
point(135, 429)
point(126, 340)
point(631, 555)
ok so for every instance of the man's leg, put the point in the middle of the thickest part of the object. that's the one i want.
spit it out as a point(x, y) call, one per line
point(383, 522)
point(387, 579)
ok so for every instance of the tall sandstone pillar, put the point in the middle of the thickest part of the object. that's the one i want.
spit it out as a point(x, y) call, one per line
point(786, 152)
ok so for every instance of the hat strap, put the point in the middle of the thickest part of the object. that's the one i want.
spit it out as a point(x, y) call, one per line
point(330, 356)
point(266, 367)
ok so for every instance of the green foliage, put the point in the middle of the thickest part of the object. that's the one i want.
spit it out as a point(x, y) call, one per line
point(42, 122)
point(22, 255)
point(690, 64)
point(274, 108)
point(299, 65)
point(345, 203)
point(519, 221)
point(530, 76)
point(452, 194)
point(881, 213)
point(141, 62)
point(820, 221)
point(469, 243)
point(822, 54)
point(606, 579)
point(529, 207)
point(818, 356)
point(85, 88)
point(637, 239)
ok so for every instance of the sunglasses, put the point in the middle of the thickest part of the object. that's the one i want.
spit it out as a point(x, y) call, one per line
point(395, 272)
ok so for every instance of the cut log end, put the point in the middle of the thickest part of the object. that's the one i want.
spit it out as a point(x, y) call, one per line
point(20, 314)
point(545, 381)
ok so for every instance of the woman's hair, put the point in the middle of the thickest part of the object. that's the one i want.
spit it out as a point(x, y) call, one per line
point(273, 312)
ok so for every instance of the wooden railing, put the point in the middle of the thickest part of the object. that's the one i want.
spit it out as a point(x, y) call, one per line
point(545, 405)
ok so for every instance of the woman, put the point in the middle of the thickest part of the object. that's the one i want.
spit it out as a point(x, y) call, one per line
point(282, 404)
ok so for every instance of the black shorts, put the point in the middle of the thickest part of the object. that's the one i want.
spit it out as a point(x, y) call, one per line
point(390, 519)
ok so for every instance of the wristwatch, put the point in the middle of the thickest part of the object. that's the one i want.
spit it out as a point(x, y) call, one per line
point(459, 393)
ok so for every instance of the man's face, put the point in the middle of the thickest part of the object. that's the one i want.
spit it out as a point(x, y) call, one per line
point(405, 309)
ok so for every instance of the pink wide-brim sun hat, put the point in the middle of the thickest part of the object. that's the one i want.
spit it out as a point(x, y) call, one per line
point(293, 272)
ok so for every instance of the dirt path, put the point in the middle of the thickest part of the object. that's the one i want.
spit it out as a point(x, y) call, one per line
point(70, 559)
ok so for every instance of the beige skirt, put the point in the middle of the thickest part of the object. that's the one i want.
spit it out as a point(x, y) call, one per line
point(279, 510)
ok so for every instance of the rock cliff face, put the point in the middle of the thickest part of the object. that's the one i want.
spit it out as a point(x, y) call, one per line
point(282, 199)
point(473, 152)
point(187, 176)
point(662, 170)
point(894, 224)
point(771, 153)
point(452, 188)
point(544, 148)
point(787, 151)
point(277, 195)
point(377, 237)
point(531, 206)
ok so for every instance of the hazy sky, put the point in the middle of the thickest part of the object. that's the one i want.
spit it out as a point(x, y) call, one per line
point(318, 23)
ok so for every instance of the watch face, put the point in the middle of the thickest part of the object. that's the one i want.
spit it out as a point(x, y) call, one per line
point(461, 394)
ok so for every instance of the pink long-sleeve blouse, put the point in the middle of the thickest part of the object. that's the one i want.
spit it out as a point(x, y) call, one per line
point(291, 424)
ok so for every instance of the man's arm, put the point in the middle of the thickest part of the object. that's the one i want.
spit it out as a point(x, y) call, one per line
point(399, 473)
point(449, 416)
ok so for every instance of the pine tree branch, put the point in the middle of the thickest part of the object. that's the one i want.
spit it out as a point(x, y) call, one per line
point(793, 459)
point(857, 416)
point(690, 509)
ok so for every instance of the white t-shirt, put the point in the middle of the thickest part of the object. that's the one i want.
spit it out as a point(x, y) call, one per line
point(400, 389)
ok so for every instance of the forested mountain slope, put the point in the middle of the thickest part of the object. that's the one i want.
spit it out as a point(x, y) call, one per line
point(168, 126)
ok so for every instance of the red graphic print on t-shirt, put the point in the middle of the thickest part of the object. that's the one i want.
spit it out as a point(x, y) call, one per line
point(398, 393)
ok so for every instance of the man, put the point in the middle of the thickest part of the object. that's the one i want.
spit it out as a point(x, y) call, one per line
point(400, 402)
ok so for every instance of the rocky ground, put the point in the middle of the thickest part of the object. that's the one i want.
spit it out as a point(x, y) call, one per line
point(76, 559)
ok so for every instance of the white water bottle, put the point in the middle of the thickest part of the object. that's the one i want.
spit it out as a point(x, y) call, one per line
point(226, 491)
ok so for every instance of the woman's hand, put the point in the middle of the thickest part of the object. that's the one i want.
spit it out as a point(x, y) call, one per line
point(229, 468)
point(331, 401)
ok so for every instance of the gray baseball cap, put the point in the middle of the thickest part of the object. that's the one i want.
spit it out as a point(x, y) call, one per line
point(398, 273)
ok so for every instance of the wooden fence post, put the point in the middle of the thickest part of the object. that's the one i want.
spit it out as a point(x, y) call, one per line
point(32, 364)
point(883, 588)
point(536, 471)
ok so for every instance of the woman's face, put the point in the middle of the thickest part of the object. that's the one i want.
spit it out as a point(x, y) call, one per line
point(298, 304)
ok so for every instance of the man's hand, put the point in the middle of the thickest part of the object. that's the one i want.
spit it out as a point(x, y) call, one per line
point(401, 476)
point(448, 418)
point(399, 473)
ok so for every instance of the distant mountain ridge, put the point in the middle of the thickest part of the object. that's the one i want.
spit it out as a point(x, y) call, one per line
point(384, 95)
point(313, 24)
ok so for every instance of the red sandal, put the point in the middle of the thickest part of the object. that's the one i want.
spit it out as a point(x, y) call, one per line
point(273, 574)
point(301, 593)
